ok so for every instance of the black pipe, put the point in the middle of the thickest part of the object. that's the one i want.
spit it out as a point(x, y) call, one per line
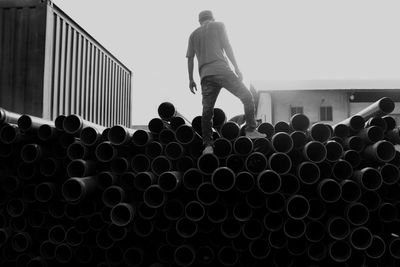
point(167, 110)
point(377, 248)
point(77, 150)
point(227, 256)
point(222, 147)
point(47, 249)
point(357, 213)
point(355, 122)
point(341, 130)
point(47, 132)
point(266, 128)
point(334, 151)
point(268, 181)
point(143, 227)
point(156, 125)
point(299, 122)
point(242, 211)
point(81, 168)
point(244, 181)
point(113, 195)
point(223, 179)
point(184, 255)
point(230, 130)
point(105, 152)
point(174, 150)
point(273, 221)
point(387, 212)
point(276, 202)
point(351, 191)
point(119, 165)
point(153, 149)
point(194, 211)
point(8, 116)
point(338, 228)
point(185, 134)
point(329, 190)
point(393, 136)
point(370, 178)
point(297, 207)
point(169, 181)
point(9, 134)
point(133, 256)
point(173, 209)
point(308, 172)
point(15, 207)
point(299, 139)
point(160, 164)
point(141, 163)
point(146, 212)
point(122, 214)
point(259, 249)
point(370, 199)
point(73, 237)
point(317, 209)
point(394, 248)
point(253, 229)
point(390, 122)
point(219, 118)
point(290, 184)
point(141, 137)
point(235, 162)
point(294, 228)
point(57, 234)
point(45, 191)
point(297, 247)
point(243, 145)
point(340, 251)
point(59, 122)
point(280, 163)
point(205, 254)
point(381, 151)
point(320, 132)
point(277, 240)
point(255, 198)
point(207, 194)
point(371, 134)
point(192, 178)
point(360, 238)
point(354, 143)
point(317, 251)
point(315, 151)
point(380, 108)
point(176, 121)
point(186, 228)
point(352, 157)
point(342, 170)
point(75, 189)
point(282, 127)
point(282, 142)
point(120, 135)
point(208, 163)
point(91, 136)
point(315, 231)
point(154, 196)
point(31, 153)
point(376, 121)
point(396, 160)
point(390, 173)
point(63, 253)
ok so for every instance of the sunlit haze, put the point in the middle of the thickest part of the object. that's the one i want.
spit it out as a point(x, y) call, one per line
point(272, 40)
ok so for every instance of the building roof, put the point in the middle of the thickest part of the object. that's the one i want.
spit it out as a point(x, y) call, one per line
point(288, 85)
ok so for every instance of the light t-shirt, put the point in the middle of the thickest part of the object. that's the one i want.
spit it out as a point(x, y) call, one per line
point(208, 43)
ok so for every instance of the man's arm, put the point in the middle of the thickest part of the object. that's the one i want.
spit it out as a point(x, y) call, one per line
point(229, 51)
point(192, 84)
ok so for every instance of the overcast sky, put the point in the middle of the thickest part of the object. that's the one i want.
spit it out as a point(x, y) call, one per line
point(272, 40)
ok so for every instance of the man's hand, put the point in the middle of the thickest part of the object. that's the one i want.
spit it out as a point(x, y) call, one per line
point(239, 74)
point(192, 86)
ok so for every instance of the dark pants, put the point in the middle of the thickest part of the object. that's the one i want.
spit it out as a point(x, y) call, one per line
point(210, 88)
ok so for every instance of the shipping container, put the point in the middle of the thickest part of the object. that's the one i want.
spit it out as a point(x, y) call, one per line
point(49, 65)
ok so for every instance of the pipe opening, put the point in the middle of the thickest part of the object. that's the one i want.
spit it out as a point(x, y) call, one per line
point(269, 181)
point(153, 196)
point(72, 124)
point(122, 214)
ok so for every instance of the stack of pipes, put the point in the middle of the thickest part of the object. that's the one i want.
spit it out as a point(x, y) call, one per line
point(73, 192)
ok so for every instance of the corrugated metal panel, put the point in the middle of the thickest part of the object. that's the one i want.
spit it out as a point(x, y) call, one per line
point(49, 66)
point(22, 42)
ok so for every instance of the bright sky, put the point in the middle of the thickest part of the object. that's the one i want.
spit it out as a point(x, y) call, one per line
point(272, 40)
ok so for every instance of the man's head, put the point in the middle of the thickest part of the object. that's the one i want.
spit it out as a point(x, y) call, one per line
point(205, 15)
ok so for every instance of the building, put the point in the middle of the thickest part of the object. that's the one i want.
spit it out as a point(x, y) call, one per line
point(329, 101)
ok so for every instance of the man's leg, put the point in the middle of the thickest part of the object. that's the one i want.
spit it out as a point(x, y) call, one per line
point(237, 88)
point(210, 91)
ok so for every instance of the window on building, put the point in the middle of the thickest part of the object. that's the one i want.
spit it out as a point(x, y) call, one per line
point(326, 114)
point(295, 110)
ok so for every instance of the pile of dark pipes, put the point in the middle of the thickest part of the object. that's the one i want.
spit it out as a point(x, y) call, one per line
point(73, 193)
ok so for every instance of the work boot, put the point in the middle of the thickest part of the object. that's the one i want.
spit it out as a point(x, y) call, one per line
point(208, 150)
point(255, 134)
